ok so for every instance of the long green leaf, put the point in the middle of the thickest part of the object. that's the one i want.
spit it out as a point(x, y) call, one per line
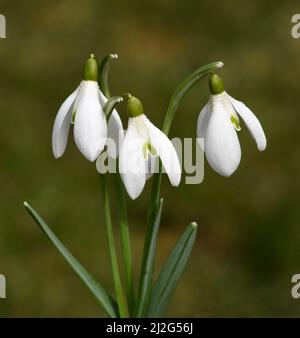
point(125, 242)
point(148, 266)
point(171, 272)
point(97, 290)
point(184, 87)
point(112, 248)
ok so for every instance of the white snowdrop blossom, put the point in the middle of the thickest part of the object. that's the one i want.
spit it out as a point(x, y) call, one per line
point(143, 144)
point(84, 109)
point(218, 124)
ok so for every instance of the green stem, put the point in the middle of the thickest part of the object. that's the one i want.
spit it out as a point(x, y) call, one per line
point(121, 199)
point(184, 87)
point(125, 243)
point(103, 73)
point(146, 276)
point(146, 282)
point(112, 250)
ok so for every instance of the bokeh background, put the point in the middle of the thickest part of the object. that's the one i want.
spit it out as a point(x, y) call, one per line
point(248, 246)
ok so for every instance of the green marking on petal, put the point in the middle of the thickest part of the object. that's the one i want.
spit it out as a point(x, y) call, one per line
point(73, 117)
point(148, 148)
point(153, 150)
point(235, 122)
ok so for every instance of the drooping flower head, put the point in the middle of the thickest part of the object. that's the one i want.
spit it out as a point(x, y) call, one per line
point(218, 124)
point(84, 109)
point(143, 143)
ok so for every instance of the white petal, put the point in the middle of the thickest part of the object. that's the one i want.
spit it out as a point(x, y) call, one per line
point(202, 122)
point(222, 147)
point(115, 132)
point(132, 165)
point(228, 106)
point(152, 166)
point(90, 128)
point(166, 152)
point(251, 122)
point(103, 98)
point(62, 124)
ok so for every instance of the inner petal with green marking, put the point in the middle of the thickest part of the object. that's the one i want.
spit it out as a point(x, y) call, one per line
point(148, 149)
point(235, 122)
point(73, 117)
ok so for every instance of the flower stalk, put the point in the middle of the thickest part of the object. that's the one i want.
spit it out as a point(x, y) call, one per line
point(112, 249)
point(120, 193)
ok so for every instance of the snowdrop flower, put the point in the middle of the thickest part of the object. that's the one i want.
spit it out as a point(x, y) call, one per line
point(218, 124)
point(142, 145)
point(84, 109)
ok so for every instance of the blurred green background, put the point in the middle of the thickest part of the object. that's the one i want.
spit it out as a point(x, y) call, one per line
point(248, 245)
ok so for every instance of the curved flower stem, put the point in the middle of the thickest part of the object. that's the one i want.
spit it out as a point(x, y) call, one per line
point(125, 243)
point(145, 277)
point(121, 200)
point(103, 73)
point(112, 250)
point(183, 88)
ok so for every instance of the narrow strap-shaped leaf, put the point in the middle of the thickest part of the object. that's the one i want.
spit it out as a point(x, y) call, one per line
point(170, 274)
point(97, 290)
point(148, 265)
point(112, 248)
point(184, 87)
point(125, 242)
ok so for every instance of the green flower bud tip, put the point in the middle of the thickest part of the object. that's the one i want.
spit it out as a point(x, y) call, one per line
point(90, 70)
point(216, 84)
point(134, 107)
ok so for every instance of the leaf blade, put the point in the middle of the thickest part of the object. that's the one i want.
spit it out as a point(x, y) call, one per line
point(97, 290)
point(171, 272)
point(148, 265)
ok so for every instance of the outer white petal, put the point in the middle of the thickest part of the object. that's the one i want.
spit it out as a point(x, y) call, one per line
point(115, 132)
point(132, 165)
point(251, 122)
point(202, 122)
point(102, 98)
point(62, 124)
point(152, 167)
point(222, 147)
point(166, 152)
point(90, 128)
